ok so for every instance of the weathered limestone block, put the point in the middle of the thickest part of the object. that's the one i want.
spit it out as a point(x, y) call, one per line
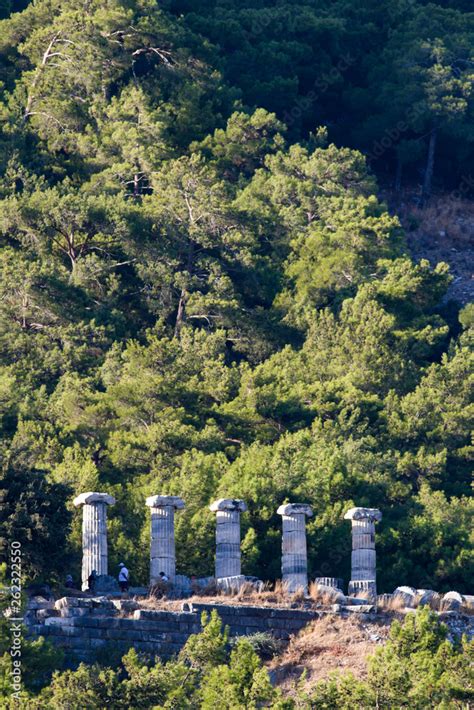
point(334, 582)
point(94, 533)
point(330, 595)
point(36, 603)
point(359, 609)
point(452, 601)
point(127, 605)
point(384, 600)
point(228, 512)
point(294, 561)
point(363, 559)
point(162, 546)
point(428, 597)
point(42, 614)
point(406, 595)
point(234, 584)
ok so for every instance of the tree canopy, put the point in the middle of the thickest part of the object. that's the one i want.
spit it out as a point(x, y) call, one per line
point(201, 292)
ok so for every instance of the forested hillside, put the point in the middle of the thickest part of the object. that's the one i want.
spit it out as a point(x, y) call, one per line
point(201, 293)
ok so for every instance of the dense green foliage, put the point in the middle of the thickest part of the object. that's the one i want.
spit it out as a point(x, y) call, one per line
point(417, 668)
point(198, 299)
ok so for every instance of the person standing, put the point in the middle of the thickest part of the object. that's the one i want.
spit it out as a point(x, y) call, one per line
point(123, 578)
point(91, 580)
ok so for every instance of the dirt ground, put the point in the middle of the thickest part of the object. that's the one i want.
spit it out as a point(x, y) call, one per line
point(331, 644)
point(443, 230)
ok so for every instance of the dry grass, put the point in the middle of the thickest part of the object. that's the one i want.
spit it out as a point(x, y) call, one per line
point(434, 602)
point(326, 597)
point(449, 216)
point(391, 604)
point(327, 645)
point(451, 219)
point(276, 594)
point(162, 604)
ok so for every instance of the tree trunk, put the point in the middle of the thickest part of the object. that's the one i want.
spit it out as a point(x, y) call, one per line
point(429, 167)
point(398, 174)
point(182, 298)
point(180, 313)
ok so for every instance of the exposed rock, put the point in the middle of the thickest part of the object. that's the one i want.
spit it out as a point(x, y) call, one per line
point(451, 601)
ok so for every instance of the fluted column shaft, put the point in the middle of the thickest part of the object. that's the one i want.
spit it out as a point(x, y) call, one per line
point(363, 550)
point(294, 559)
point(363, 557)
point(94, 533)
point(228, 562)
point(162, 543)
point(162, 548)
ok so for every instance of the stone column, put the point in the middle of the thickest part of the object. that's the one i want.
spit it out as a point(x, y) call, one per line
point(228, 512)
point(363, 561)
point(94, 533)
point(162, 545)
point(294, 560)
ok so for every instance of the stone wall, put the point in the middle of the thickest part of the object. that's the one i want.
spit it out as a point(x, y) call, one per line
point(85, 626)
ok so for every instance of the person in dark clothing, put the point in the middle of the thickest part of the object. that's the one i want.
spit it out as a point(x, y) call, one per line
point(91, 580)
point(69, 583)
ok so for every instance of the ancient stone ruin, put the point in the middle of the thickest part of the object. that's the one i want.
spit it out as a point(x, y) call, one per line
point(228, 512)
point(94, 533)
point(162, 545)
point(228, 573)
point(90, 623)
point(363, 560)
point(294, 555)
